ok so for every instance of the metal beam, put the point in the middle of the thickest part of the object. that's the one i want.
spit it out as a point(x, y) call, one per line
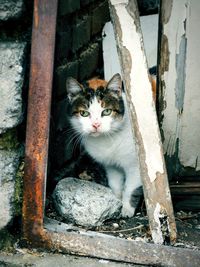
point(39, 105)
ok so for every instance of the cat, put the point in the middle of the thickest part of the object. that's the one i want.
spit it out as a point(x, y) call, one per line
point(98, 113)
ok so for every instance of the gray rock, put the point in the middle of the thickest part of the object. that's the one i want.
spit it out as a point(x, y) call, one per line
point(9, 162)
point(11, 82)
point(11, 9)
point(85, 203)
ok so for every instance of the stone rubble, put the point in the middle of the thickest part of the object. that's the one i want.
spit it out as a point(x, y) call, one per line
point(85, 203)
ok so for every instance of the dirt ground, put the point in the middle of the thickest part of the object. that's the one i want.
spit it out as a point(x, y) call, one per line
point(137, 228)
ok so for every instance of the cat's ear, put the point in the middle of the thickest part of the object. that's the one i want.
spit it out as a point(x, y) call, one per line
point(73, 87)
point(115, 84)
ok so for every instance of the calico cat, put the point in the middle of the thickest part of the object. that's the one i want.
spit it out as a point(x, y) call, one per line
point(98, 113)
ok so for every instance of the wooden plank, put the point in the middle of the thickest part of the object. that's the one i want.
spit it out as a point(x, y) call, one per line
point(73, 240)
point(186, 202)
point(185, 188)
point(186, 194)
point(125, 18)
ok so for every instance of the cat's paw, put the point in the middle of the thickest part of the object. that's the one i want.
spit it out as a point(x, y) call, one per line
point(127, 211)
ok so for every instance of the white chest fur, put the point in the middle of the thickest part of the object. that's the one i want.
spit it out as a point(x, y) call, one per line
point(118, 155)
point(116, 149)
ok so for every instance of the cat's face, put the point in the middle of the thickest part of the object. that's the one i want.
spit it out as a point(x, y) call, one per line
point(97, 108)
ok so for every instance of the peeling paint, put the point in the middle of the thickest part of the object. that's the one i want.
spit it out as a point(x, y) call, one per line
point(180, 117)
point(161, 233)
point(165, 54)
point(167, 9)
point(172, 140)
point(137, 70)
point(143, 116)
point(157, 233)
point(131, 9)
point(180, 80)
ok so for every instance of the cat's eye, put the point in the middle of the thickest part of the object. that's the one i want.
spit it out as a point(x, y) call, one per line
point(106, 112)
point(84, 113)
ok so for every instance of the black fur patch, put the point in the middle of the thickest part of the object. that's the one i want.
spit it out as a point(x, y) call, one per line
point(136, 197)
point(108, 99)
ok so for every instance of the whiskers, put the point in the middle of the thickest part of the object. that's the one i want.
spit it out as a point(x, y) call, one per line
point(76, 140)
point(111, 137)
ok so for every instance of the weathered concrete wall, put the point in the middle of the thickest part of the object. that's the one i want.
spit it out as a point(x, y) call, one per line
point(13, 53)
point(179, 86)
point(11, 9)
point(11, 82)
point(10, 153)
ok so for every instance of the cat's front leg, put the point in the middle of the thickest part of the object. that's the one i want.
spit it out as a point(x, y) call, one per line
point(131, 194)
point(115, 180)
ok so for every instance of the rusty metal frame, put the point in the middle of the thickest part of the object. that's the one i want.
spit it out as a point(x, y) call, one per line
point(54, 235)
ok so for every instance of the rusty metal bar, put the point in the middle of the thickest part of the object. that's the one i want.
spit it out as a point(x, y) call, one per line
point(39, 104)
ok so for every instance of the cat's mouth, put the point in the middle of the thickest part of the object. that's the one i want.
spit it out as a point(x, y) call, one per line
point(95, 133)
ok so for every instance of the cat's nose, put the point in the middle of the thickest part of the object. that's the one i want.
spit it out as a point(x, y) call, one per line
point(96, 124)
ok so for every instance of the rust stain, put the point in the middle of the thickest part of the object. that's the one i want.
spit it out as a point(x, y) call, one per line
point(41, 154)
point(36, 16)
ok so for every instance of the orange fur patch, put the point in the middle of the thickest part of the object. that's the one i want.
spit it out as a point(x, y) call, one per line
point(153, 85)
point(95, 83)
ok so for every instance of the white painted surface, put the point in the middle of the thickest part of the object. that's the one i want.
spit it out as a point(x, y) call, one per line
point(184, 126)
point(149, 26)
point(141, 94)
point(110, 56)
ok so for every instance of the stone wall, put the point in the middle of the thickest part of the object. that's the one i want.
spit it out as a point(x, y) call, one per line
point(14, 46)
